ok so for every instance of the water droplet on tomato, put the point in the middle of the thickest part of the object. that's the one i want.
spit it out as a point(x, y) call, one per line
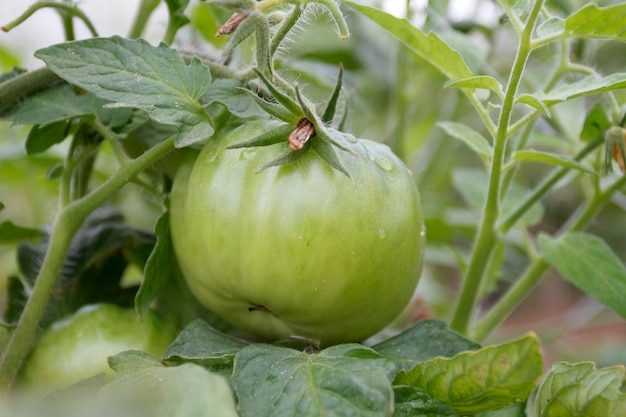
point(383, 163)
point(382, 234)
point(350, 138)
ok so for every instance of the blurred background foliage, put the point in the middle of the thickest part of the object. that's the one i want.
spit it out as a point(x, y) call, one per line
point(398, 99)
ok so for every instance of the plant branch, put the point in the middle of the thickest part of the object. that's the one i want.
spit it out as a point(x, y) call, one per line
point(65, 226)
point(70, 9)
point(486, 235)
point(539, 266)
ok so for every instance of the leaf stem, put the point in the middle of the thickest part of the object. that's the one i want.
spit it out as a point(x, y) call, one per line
point(113, 141)
point(486, 236)
point(65, 226)
point(70, 9)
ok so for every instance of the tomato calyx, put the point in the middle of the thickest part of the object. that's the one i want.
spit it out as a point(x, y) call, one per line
point(303, 129)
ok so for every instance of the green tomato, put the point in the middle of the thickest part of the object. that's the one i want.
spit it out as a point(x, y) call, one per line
point(298, 250)
point(77, 347)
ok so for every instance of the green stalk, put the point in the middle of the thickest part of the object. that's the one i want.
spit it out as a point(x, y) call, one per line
point(65, 226)
point(146, 7)
point(486, 236)
point(70, 9)
point(539, 266)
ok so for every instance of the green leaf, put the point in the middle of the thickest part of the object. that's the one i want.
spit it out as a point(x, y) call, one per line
point(583, 87)
point(41, 138)
point(237, 100)
point(589, 263)
point(160, 267)
point(63, 103)
point(535, 103)
point(132, 361)
point(199, 343)
point(550, 158)
point(595, 124)
point(430, 47)
point(411, 402)
point(132, 73)
point(578, 390)
point(469, 136)
point(342, 380)
point(425, 340)
point(11, 233)
point(479, 81)
point(589, 22)
point(185, 390)
point(479, 381)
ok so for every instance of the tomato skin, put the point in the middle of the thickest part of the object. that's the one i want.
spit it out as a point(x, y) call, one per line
point(77, 347)
point(298, 250)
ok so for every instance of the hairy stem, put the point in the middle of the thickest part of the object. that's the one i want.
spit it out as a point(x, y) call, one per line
point(65, 226)
point(15, 89)
point(486, 236)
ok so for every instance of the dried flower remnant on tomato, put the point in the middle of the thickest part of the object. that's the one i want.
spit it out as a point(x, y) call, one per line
point(231, 24)
point(304, 131)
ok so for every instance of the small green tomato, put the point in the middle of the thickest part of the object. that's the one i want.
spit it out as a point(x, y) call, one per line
point(77, 347)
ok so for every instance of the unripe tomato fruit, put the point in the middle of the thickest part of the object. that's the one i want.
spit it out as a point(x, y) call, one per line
point(77, 347)
point(298, 250)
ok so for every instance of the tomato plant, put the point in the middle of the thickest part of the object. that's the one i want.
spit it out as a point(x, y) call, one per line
point(233, 139)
